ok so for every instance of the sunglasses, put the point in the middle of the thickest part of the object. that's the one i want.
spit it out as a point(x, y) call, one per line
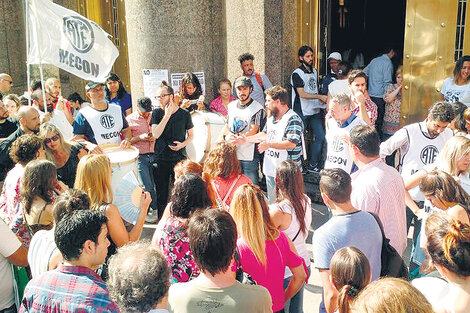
point(49, 140)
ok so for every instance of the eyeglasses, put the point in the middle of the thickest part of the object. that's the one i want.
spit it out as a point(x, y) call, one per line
point(49, 140)
point(162, 96)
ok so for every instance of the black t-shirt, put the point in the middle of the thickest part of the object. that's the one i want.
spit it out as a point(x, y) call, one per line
point(175, 130)
point(9, 127)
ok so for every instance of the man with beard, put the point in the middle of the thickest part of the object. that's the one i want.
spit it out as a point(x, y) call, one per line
point(7, 125)
point(245, 116)
point(54, 88)
point(281, 138)
point(308, 103)
point(29, 124)
point(259, 81)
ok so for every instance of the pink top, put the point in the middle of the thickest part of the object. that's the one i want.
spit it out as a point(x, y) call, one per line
point(140, 125)
point(11, 208)
point(379, 188)
point(278, 256)
point(222, 186)
point(217, 106)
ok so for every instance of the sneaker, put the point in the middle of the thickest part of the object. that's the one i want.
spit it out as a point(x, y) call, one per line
point(152, 217)
point(311, 169)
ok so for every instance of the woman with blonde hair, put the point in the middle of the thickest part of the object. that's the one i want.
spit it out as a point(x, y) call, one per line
point(448, 245)
point(390, 295)
point(350, 273)
point(94, 175)
point(292, 214)
point(224, 169)
point(62, 153)
point(264, 251)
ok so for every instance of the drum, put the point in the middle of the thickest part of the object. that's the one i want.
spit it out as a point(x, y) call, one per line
point(207, 128)
point(122, 161)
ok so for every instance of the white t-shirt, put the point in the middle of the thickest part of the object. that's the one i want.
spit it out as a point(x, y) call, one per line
point(59, 119)
point(8, 245)
point(453, 92)
point(339, 86)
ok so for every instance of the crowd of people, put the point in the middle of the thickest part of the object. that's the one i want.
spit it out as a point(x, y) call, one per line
point(222, 243)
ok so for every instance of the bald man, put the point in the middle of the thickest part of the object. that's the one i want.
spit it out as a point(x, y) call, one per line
point(5, 83)
point(29, 123)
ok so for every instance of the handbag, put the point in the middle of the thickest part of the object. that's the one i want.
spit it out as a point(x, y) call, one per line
point(391, 261)
point(241, 276)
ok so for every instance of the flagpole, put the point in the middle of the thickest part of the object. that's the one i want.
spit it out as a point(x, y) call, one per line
point(28, 72)
point(41, 74)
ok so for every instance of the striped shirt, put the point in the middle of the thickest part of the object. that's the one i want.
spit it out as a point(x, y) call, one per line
point(67, 289)
point(379, 188)
point(40, 251)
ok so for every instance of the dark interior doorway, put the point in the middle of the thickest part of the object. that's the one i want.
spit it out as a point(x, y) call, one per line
point(367, 26)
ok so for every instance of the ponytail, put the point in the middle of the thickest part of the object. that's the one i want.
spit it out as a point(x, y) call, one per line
point(346, 294)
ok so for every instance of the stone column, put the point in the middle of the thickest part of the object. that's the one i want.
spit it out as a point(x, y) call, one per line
point(180, 36)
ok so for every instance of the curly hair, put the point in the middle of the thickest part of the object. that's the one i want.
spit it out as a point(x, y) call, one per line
point(189, 194)
point(139, 277)
point(25, 148)
point(70, 200)
point(38, 181)
point(441, 111)
point(222, 161)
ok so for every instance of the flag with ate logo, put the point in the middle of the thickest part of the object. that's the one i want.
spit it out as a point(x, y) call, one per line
point(64, 38)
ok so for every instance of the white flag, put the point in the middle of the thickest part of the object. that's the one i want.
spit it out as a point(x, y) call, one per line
point(64, 38)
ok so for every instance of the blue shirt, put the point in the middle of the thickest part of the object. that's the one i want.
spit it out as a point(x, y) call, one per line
point(125, 102)
point(379, 72)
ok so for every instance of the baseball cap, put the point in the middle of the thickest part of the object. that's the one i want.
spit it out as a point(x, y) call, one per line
point(335, 56)
point(243, 81)
point(92, 85)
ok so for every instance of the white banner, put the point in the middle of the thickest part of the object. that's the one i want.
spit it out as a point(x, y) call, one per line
point(64, 38)
point(176, 79)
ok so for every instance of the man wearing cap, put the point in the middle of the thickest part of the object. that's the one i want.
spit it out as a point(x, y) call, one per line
point(245, 116)
point(142, 139)
point(333, 60)
point(259, 81)
point(308, 103)
point(101, 122)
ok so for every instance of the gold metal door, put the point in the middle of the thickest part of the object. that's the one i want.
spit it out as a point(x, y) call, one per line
point(428, 56)
point(309, 27)
point(110, 15)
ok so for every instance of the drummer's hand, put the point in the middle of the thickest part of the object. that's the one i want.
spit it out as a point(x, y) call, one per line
point(263, 146)
point(145, 201)
point(60, 187)
point(177, 146)
point(92, 148)
point(125, 144)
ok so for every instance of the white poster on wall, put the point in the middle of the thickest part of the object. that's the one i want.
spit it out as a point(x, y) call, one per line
point(152, 79)
point(176, 79)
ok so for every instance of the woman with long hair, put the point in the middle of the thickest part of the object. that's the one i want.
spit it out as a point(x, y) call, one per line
point(39, 189)
point(94, 175)
point(12, 104)
point(350, 273)
point(188, 195)
point(446, 194)
point(265, 251)
point(458, 124)
point(448, 245)
point(190, 93)
point(392, 98)
point(63, 154)
point(224, 169)
point(220, 104)
point(117, 94)
point(292, 214)
point(457, 87)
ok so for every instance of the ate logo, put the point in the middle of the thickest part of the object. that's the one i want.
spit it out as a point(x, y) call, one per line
point(338, 144)
point(107, 121)
point(79, 33)
point(428, 154)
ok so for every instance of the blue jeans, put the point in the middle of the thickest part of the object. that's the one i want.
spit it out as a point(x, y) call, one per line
point(145, 167)
point(295, 304)
point(315, 122)
point(250, 168)
point(271, 188)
